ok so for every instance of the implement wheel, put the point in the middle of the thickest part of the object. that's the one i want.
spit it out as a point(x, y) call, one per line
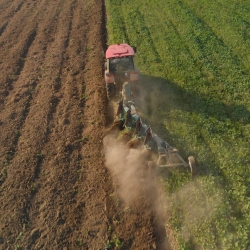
point(192, 165)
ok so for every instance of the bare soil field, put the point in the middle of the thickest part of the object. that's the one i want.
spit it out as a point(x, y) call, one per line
point(55, 191)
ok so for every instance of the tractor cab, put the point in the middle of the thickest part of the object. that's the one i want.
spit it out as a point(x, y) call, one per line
point(119, 67)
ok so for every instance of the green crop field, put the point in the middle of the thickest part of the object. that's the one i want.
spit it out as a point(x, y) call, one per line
point(194, 60)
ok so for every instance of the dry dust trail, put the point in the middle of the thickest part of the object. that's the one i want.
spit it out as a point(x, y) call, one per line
point(55, 191)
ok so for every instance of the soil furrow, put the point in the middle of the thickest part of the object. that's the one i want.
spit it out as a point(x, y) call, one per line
point(4, 5)
point(16, 10)
point(23, 53)
point(10, 8)
point(3, 28)
point(19, 6)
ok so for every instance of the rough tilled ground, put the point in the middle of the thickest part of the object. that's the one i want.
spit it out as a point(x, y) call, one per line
point(55, 191)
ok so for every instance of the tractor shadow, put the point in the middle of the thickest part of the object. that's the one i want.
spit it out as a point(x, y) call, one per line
point(157, 97)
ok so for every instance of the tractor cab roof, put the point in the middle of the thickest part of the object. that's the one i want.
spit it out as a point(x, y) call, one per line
point(119, 50)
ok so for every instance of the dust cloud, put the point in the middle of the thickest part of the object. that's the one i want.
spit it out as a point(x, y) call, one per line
point(135, 184)
point(128, 168)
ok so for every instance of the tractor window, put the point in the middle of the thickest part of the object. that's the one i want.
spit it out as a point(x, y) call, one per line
point(122, 64)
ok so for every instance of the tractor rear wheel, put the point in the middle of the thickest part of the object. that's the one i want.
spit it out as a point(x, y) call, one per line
point(192, 165)
point(111, 90)
point(152, 168)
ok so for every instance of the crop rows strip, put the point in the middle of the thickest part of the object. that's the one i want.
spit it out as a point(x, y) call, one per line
point(23, 92)
point(31, 157)
point(63, 107)
point(69, 114)
point(16, 116)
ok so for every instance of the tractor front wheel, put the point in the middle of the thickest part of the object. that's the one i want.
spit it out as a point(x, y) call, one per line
point(111, 90)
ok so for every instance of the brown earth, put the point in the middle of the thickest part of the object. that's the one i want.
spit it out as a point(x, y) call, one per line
point(55, 191)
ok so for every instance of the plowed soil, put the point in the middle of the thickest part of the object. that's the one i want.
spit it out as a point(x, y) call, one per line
point(55, 191)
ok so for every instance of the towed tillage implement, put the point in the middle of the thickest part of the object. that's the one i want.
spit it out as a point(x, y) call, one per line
point(164, 155)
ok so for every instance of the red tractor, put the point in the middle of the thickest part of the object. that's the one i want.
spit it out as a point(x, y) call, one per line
point(119, 68)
